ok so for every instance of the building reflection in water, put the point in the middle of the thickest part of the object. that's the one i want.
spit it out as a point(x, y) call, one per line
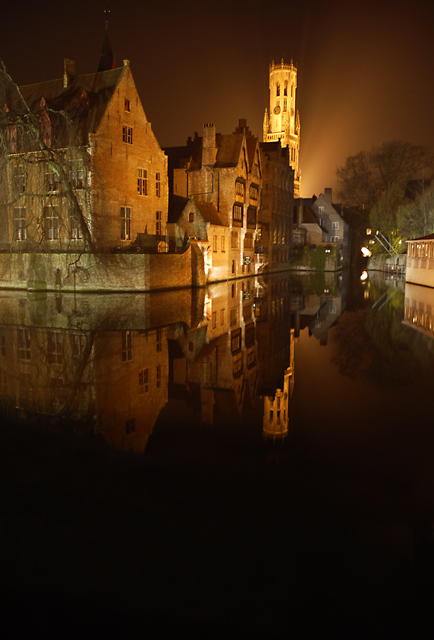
point(113, 362)
point(419, 309)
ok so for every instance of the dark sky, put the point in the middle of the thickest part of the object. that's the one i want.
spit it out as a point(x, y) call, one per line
point(365, 70)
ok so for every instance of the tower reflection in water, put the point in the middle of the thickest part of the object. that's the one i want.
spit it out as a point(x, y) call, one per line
point(110, 364)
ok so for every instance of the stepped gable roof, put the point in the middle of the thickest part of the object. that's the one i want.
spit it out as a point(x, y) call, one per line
point(84, 100)
point(209, 212)
point(252, 145)
point(229, 149)
point(251, 140)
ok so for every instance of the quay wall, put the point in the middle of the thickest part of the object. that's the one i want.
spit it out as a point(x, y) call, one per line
point(101, 272)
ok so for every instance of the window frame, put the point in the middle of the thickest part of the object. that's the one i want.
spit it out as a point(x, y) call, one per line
point(126, 223)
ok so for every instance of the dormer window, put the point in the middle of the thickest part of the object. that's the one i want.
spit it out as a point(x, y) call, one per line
point(127, 105)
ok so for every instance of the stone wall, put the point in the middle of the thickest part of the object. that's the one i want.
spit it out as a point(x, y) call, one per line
point(101, 272)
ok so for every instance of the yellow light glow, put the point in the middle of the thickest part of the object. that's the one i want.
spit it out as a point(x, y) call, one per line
point(366, 252)
point(364, 276)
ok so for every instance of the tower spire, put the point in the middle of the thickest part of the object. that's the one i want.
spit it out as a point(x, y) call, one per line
point(106, 60)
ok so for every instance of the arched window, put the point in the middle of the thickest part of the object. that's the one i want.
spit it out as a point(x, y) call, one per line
point(278, 89)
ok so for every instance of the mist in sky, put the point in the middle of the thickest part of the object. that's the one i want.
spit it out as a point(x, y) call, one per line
point(364, 70)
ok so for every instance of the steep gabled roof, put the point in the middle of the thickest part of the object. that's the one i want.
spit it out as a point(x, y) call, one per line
point(209, 212)
point(229, 149)
point(84, 100)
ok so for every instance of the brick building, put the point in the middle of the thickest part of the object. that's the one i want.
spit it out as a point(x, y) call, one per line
point(83, 168)
point(215, 191)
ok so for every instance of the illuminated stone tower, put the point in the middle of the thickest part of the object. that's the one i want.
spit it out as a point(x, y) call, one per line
point(282, 121)
point(276, 410)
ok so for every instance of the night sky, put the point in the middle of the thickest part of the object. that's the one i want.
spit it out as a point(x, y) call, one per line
point(365, 70)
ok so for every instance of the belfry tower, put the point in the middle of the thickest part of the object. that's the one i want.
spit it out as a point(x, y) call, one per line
point(282, 121)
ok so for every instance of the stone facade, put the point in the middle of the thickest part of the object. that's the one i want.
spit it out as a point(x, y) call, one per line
point(219, 180)
point(282, 121)
point(320, 222)
point(89, 176)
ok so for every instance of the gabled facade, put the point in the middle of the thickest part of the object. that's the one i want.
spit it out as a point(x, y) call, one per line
point(318, 221)
point(83, 169)
point(220, 177)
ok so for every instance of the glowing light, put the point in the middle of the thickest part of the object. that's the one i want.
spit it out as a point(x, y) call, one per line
point(364, 276)
point(366, 252)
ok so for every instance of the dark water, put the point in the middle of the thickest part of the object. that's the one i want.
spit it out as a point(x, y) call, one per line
point(253, 460)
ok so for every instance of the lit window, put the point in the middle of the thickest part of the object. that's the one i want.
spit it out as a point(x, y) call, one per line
point(75, 229)
point(125, 223)
point(253, 192)
point(76, 174)
point(51, 223)
point(248, 241)
point(239, 188)
point(51, 181)
point(20, 223)
point(142, 182)
point(238, 214)
point(127, 135)
point(157, 185)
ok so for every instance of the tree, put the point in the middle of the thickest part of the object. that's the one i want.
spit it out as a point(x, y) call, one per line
point(41, 161)
point(416, 217)
point(383, 214)
point(366, 176)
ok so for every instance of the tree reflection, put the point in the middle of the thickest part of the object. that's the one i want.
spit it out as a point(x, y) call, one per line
point(373, 343)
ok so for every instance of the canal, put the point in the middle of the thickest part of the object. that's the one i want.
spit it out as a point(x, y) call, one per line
point(254, 459)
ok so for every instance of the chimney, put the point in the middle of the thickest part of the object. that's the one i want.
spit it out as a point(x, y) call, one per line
point(208, 144)
point(328, 194)
point(68, 71)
